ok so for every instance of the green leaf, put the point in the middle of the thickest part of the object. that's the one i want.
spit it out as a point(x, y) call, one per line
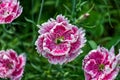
point(30, 21)
point(36, 67)
point(113, 42)
point(92, 44)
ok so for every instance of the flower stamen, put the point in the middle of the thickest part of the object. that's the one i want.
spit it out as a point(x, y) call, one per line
point(59, 40)
point(101, 67)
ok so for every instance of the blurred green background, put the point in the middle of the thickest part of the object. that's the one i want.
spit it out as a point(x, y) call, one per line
point(102, 28)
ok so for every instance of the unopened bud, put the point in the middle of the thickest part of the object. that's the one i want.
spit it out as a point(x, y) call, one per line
point(82, 17)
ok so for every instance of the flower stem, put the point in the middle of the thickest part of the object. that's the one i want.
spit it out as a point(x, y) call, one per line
point(40, 11)
point(33, 26)
point(73, 9)
point(2, 41)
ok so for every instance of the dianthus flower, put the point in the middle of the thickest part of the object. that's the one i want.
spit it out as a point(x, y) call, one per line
point(101, 64)
point(60, 41)
point(9, 10)
point(11, 65)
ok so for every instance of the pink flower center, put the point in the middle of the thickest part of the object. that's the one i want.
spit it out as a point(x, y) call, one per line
point(59, 40)
point(101, 67)
point(10, 65)
point(6, 13)
point(6, 62)
point(6, 66)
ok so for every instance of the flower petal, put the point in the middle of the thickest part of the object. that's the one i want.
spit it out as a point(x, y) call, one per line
point(46, 27)
point(75, 46)
point(49, 43)
point(56, 59)
point(72, 56)
point(91, 67)
point(58, 29)
point(112, 75)
point(21, 61)
point(62, 19)
point(97, 56)
point(12, 54)
point(39, 43)
point(61, 49)
point(17, 74)
point(87, 76)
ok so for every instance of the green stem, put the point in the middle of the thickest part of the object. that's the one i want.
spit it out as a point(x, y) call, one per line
point(73, 9)
point(2, 41)
point(109, 17)
point(4, 28)
point(61, 71)
point(91, 8)
point(32, 7)
point(33, 27)
point(40, 11)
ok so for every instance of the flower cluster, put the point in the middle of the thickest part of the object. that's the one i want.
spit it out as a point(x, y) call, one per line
point(60, 41)
point(11, 65)
point(101, 64)
point(9, 10)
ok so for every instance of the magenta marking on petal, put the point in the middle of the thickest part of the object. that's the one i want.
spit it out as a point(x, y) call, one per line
point(39, 43)
point(18, 73)
point(13, 54)
point(69, 36)
point(46, 27)
point(87, 76)
point(61, 49)
point(21, 61)
point(72, 56)
point(48, 44)
point(75, 46)
point(59, 29)
point(15, 8)
point(19, 11)
point(56, 59)
point(2, 5)
point(75, 29)
point(9, 18)
point(112, 75)
point(98, 56)
point(62, 19)
point(91, 67)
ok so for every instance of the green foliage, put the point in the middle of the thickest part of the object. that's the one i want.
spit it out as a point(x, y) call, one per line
point(102, 28)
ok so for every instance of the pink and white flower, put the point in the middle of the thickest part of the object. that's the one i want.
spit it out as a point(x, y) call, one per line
point(11, 65)
point(101, 64)
point(9, 10)
point(60, 41)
